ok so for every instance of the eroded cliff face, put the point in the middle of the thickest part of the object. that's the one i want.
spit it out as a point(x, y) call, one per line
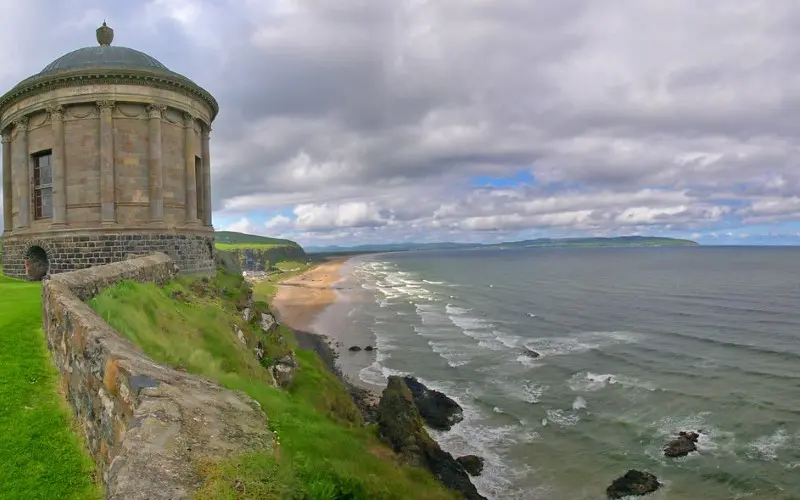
point(257, 259)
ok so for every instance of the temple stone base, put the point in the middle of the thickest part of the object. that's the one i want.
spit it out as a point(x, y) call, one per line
point(54, 252)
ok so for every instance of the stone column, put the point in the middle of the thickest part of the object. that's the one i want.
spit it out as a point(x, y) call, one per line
point(155, 112)
point(21, 172)
point(191, 177)
point(108, 214)
point(59, 177)
point(7, 189)
point(206, 177)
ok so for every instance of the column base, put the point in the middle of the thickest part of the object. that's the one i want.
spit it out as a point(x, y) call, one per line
point(58, 225)
point(108, 223)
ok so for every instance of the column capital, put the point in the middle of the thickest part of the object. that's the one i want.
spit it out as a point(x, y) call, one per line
point(56, 112)
point(21, 124)
point(188, 120)
point(105, 105)
point(156, 110)
point(6, 137)
point(205, 133)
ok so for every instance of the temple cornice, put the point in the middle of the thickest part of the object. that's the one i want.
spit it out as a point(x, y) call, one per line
point(95, 76)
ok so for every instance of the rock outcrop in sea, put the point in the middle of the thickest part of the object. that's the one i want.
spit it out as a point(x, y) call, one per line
point(400, 424)
point(681, 446)
point(633, 483)
point(437, 410)
point(473, 464)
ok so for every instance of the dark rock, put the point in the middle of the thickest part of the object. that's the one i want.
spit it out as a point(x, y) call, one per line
point(473, 464)
point(400, 424)
point(437, 410)
point(633, 483)
point(531, 353)
point(289, 360)
point(354, 348)
point(369, 348)
point(682, 445)
point(284, 375)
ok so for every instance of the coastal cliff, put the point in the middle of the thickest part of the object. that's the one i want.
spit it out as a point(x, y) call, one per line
point(216, 329)
point(255, 253)
point(260, 259)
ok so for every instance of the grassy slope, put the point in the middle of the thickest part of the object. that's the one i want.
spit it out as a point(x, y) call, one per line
point(40, 456)
point(324, 451)
point(237, 246)
point(231, 239)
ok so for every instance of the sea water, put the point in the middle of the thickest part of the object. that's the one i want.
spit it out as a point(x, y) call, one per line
point(634, 344)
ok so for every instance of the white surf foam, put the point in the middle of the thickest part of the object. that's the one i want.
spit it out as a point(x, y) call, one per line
point(453, 353)
point(377, 374)
point(590, 382)
point(564, 418)
point(474, 436)
point(579, 403)
point(528, 361)
point(766, 448)
point(532, 392)
point(580, 342)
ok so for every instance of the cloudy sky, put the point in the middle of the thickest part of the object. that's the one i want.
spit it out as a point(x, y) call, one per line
point(351, 121)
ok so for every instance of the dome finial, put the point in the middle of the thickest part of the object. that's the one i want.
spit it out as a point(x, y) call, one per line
point(105, 35)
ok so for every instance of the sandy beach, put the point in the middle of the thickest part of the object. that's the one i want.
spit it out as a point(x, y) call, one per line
point(300, 299)
point(299, 303)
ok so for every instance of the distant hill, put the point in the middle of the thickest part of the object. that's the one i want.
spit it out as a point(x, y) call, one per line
point(619, 241)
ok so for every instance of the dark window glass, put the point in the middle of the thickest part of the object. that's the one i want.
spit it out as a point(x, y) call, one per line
point(43, 185)
point(198, 178)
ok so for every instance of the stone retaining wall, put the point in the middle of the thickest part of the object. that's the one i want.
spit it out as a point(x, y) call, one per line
point(147, 426)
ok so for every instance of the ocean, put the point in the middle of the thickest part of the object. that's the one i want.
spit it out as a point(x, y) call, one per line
point(635, 345)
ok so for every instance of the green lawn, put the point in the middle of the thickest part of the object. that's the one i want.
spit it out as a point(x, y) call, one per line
point(324, 451)
point(40, 456)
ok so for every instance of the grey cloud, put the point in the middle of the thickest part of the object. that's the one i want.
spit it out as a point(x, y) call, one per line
point(396, 105)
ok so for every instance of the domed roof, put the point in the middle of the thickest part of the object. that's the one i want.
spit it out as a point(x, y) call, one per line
point(105, 60)
point(104, 56)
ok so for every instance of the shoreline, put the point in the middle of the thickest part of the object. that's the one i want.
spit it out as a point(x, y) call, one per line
point(299, 304)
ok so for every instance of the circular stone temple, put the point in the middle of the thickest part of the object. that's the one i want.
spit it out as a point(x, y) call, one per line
point(105, 157)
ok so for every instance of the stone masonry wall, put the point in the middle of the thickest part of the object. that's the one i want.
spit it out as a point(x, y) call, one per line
point(70, 251)
point(147, 426)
